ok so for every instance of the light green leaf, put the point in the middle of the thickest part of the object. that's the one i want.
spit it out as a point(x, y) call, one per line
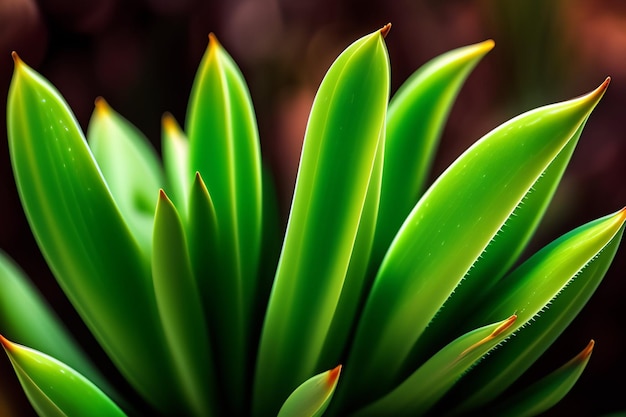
point(312, 397)
point(547, 392)
point(82, 234)
point(130, 168)
point(547, 292)
point(26, 318)
point(446, 233)
point(338, 155)
point(54, 389)
point(224, 149)
point(415, 120)
point(424, 387)
point(175, 148)
point(181, 310)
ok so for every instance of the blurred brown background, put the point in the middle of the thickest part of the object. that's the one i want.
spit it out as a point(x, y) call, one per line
point(141, 55)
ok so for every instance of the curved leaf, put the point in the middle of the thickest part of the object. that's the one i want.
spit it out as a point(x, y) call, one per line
point(547, 292)
point(415, 120)
point(175, 148)
point(224, 149)
point(312, 397)
point(446, 233)
point(434, 378)
point(26, 317)
point(547, 392)
point(181, 311)
point(82, 234)
point(338, 155)
point(130, 168)
point(54, 389)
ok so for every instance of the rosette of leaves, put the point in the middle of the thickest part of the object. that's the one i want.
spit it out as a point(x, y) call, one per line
point(383, 297)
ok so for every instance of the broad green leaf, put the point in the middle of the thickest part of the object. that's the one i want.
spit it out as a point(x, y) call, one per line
point(175, 148)
point(130, 168)
point(181, 310)
point(415, 120)
point(433, 379)
point(357, 280)
point(496, 259)
point(338, 155)
point(82, 234)
point(54, 389)
point(446, 233)
point(547, 392)
point(26, 318)
point(547, 292)
point(312, 397)
point(224, 149)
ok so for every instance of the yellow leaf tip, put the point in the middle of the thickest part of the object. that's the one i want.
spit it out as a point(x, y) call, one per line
point(102, 106)
point(385, 30)
point(169, 123)
point(333, 375)
point(213, 42)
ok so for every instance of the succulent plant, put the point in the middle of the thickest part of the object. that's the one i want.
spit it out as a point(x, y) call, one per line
point(385, 297)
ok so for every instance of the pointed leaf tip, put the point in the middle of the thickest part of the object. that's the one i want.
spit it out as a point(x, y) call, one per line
point(586, 352)
point(333, 375)
point(5, 342)
point(385, 30)
point(494, 334)
point(16, 58)
point(102, 106)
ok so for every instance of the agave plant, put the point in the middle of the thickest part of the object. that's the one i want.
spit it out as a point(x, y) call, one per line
point(387, 298)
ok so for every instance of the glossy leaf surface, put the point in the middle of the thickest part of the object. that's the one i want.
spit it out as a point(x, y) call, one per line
point(460, 214)
point(338, 154)
point(130, 168)
point(82, 234)
point(224, 149)
point(54, 389)
point(312, 397)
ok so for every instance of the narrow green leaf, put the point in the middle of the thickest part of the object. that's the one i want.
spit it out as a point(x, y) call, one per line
point(82, 234)
point(547, 292)
point(434, 378)
point(224, 149)
point(26, 318)
point(181, 311)
point(312, 397)
point(415, 120)
point(446, 233)
point(338, 155)
point(547, 392)
point(175, 148)
point(130, 168)
point(54, 389)
point(357, 281)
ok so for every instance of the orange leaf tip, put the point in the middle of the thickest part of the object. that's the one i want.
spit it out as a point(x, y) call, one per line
point(504, 326)
point(5, 343)
point(385, 30)
point(333, 375)
point(586, 352)
point(169, 123)
point(16, 58)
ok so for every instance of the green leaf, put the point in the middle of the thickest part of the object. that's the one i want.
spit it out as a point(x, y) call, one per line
point(181, 310)
point(338, 155)
point(312, 397)
point(415, 120)
point(547, 292)
point(26, 318)
point(436, 376)
point(446, 233)
point(548, 391)
point(54, 389)
point(175, 148)
point(130, 168)
point(82, 234)
point(224, 149)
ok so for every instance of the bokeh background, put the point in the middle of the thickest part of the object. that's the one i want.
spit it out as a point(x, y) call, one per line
point(141, 56)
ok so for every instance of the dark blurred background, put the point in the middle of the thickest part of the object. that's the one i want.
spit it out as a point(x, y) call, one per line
point(141, 56)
